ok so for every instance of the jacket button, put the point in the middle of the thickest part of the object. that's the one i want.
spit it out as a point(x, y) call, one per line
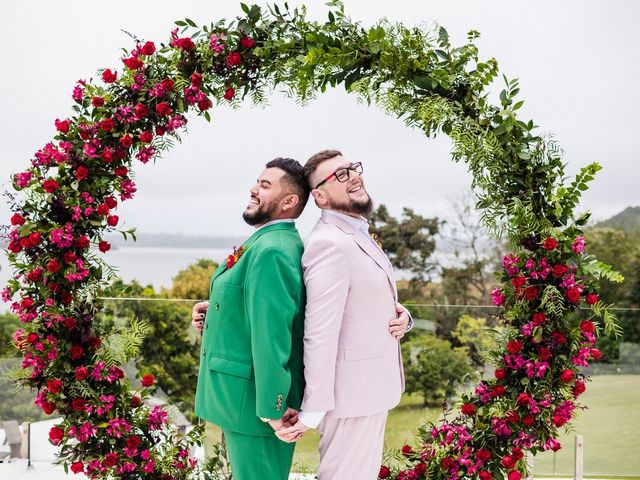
point(206, 325)
point(216, 306)
point(204, 352)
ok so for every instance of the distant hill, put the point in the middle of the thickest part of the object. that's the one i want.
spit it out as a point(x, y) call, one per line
point(175, 240)
point(627, 220)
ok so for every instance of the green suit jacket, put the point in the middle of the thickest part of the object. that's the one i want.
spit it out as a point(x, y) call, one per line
point(251, 358)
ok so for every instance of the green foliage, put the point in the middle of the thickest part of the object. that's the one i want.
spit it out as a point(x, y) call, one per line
point(9, 323)
point(16, 402)
point(473, 333)
point(193, 281)
point(408, 242)
point(434, 369)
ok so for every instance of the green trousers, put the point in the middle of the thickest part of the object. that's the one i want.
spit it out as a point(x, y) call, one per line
point(258, 458)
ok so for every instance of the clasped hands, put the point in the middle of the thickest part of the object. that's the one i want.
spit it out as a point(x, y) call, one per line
point(288, 428)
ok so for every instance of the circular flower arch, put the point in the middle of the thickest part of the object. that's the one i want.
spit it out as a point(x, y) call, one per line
point(548, 290)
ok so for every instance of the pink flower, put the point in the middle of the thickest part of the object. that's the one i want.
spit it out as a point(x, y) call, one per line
point(578, 245)
point(497, 297)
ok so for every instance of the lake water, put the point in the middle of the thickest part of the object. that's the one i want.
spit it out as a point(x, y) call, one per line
point(148, 265)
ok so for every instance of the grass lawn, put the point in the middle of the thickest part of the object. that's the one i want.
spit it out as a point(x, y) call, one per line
point(610, 426)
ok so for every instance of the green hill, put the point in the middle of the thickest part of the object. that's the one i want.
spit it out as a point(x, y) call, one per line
point(627, 220)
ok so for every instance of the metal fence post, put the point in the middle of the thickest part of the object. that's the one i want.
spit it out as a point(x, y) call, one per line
point(579, 465)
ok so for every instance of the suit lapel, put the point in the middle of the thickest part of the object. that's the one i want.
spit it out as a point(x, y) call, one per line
point(367, 246)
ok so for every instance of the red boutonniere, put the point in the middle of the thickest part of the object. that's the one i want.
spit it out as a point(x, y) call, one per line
point(235, 256)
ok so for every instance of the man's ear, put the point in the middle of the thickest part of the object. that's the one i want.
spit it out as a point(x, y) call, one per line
point(319, 197)
point(290, 202)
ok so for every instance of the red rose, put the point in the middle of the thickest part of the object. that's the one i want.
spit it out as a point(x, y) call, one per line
point(448, 463)
point(78, 404)
point(160, 130)
point(500, 373)
point(50, 185)
point(512, 416)
point(121, 172)
point(518, 282)
point(497, 390)
point(54, 386)
point(32, 338)
point(17, 219)
point(167, 84)
point(112, 220)
point(126, 141)
point(595, 354)
point(420, 468)
point(95, 342)
point(133, 441)
point(97, 101)
point(48, 407)
point(234, 59)
point(484, 475)
point(587, 326)
point(544, 353)
point(140, 110)
point(559, 338)
point(110, 459)
point(573, 294)
point(558, 420)
point(514, 346)
point(133, 63)
point(108, 76)
point(528, 420)
point(531, 293)
point(229, 94)
point(26, 303)
point(549, 244)
point(483, 455)
point(185, 44)
point(517, 453)
point(77, 467)
point(384, 472)
point(559, 270)
point(407, 450)
point(539, 318)
point(66, 298)
point(107, 124)
point(523, 399)
point(35, 238)
point(163, 109)
point(35, 275)
point(76, 352)
point(81, 173)
point(196, 79)
point(103, 209)
point(247, 42)
point(111, 202)
point(70, 323)
point(136, 401)
point(82, 242)
point(81, 373)
point(104, 246)
point(146, 137)
point(147, 380)
point(591, 298)
point(56, 434)
point(53, 266)
point(566, 376)
point(15, 247)
point(514, 475)
point(204, 104)
point(148, 48)
point(468, 409)
point(508, 461)
point(579, 388)
point(62, 125)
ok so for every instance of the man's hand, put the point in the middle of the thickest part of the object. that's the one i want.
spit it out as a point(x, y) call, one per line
point(398, 326)
point(293, 433)
point(197, 315)
point(289, 418)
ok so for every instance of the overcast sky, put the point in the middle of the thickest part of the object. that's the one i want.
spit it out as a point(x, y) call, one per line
point(577, 61)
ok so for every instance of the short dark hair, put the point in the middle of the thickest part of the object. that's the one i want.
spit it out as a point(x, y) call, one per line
point(293, 178)
point(315, 160)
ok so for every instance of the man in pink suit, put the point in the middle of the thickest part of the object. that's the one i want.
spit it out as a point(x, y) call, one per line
point(353, 323)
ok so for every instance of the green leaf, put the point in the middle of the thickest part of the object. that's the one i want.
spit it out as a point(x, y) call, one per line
point(190, 22)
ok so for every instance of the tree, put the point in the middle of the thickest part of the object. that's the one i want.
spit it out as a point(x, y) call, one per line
point(473, 333)
point(8, 325)
point(193, 281)
point(408, 242)
point(434, 369)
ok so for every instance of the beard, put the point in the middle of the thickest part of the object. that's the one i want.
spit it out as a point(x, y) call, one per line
point(356, 207)
point(263, 214)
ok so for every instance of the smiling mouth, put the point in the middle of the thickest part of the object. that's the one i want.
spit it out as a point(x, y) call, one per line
point(355, 189)
point(254, 201)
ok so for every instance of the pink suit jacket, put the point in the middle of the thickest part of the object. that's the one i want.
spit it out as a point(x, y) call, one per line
point(352, 364)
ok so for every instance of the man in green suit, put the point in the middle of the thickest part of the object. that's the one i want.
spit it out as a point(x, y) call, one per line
point(251, 377)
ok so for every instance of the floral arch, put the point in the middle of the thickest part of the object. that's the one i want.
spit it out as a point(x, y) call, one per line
point(548, 290)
